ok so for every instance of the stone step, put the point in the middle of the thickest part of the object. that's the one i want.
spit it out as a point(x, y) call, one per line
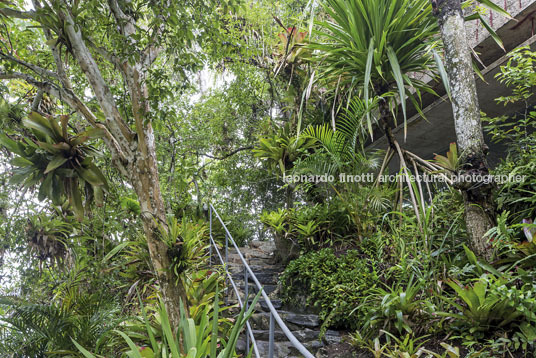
point(250, 253)
point(264, 277)
point(267, 246)
point(294, 321)
point(304, 335)
point(282, 349)
point(252, 288)
point(268, 269)
point(261, 304)
point(252, 261)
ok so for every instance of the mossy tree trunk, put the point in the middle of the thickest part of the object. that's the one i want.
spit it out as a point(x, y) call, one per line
point(479, 206)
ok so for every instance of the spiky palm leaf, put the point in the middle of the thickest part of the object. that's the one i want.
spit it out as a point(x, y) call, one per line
point(60, 162)
point(373, 46)
point(43, 329)
point(379, 46)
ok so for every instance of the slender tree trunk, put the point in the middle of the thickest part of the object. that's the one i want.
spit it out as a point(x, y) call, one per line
point(133, 153)
point(385, 117)
point(144, 178)
point(479, 206)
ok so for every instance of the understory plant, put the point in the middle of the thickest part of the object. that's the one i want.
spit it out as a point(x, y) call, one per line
point(397, 309)
point(332, 283)
point(47, 329)
point(517, 131)
point(310, 227)
point(192, 339)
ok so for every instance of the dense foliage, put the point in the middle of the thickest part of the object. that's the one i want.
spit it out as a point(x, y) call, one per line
point(404, 288)
point(122, 120)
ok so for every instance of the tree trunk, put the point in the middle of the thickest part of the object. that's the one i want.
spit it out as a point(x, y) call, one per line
point(479, 206)
point(144, 178)
point(385, 117)
point(137, 158)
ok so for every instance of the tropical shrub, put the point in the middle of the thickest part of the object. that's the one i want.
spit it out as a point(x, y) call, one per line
point(309, 227)
point(331, 283)
point(396, 309)
point(517, 197)
point(192, 340)
point(44, 329)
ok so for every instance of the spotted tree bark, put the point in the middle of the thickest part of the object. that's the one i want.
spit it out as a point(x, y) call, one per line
point(477, 194)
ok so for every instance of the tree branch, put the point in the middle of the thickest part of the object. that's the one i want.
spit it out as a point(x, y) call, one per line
point(72, 101)
point(125, 22)
point(104, 96)
point(62, 74)
point(230, 154)
point(8, 12)
point(39, 70)
point(150, 54)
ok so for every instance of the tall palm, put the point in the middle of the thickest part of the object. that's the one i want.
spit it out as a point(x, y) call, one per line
point(387, 47)
point(383, 47)
point(374, 46)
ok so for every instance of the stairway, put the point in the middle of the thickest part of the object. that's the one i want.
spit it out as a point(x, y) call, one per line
point(304, 325)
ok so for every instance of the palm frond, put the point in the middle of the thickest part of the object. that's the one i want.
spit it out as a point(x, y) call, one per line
point(369, 45)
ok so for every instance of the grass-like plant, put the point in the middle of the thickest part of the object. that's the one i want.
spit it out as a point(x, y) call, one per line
point(191, 340)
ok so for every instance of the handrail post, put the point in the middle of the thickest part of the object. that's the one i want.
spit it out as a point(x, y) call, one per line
point(246, 299)
point(271, 337)
point(226, 263)
point(210, 233)
point(246, 287)
point(226, 248)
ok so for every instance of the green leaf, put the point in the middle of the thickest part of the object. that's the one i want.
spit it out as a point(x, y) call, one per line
point(442, 72)
point(135, 351)
point(56, 162)
point(48, 147)
point(75, 199)
point(99, 195)
point(20, 162)
point(37, 122)
point(79, 140)
point(148, 328)
point(90, 176)
point(84, 351)
point(368, 70)
point(192, 352)
point(115, 250)
point(492, 32)
point(16, 179)
point(45, 190)
point(55, 128)
point(96, 171)
point(393, 60)
point(57, 190)
point(492, 6)
point(10, 144)
point(64, 120)
point(166, 328)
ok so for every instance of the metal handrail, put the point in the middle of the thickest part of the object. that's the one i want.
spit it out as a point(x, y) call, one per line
point(273, 312)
